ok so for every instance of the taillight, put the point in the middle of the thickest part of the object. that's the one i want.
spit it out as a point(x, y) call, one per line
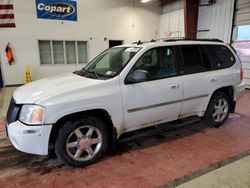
point(241, 73)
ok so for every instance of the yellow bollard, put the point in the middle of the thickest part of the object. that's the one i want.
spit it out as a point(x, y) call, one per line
point(27, 74)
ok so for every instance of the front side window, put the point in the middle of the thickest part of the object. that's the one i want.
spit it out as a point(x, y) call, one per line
point(191, 59)
point(109, 63)
point(158, 62)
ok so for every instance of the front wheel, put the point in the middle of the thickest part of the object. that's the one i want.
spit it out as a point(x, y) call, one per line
point(81, 143)
point(218, 110)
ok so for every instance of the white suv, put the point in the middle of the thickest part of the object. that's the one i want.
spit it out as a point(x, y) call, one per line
point(125, 88)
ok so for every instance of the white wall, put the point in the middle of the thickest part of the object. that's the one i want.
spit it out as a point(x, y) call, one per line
point(172, 20)
point(96, 19)
point(216, 18)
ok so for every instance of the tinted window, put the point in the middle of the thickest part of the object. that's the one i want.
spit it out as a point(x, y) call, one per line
point(159, 62)
point(205, 60)
point(191, 58)
point(220, 56)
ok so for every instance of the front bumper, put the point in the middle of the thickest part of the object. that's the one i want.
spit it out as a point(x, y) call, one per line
point(29, 139)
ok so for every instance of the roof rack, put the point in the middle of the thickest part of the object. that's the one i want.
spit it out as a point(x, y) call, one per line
point(141, 42)
point(138, 42)
point(188, 39)
point(174, 39)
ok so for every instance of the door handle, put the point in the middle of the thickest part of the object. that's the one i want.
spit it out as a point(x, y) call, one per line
point(175, 86)
point(214, 79)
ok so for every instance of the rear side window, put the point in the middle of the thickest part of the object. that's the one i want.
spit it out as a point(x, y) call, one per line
point(207, 66)
point(191, 58)
point(220, 56)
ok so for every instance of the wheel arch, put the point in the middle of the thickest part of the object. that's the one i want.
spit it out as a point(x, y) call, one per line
point(98, 113)
point(228, 90)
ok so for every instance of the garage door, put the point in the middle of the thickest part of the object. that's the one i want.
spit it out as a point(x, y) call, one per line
point(242, 14)
point(241, 39)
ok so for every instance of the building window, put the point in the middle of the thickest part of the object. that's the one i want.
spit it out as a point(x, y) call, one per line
point(242, 40)
point(58, 53)
point(62, 52)
point(82, 49)
point(45, 52)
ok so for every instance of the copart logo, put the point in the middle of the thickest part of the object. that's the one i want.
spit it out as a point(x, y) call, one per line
point(57, 9)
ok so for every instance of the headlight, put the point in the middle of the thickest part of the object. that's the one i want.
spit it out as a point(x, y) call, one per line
point(32, 114)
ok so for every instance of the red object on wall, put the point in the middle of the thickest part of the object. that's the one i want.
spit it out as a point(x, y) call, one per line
point(9, 54)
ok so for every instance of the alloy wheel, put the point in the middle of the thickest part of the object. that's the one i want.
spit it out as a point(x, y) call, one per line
point(84, 143)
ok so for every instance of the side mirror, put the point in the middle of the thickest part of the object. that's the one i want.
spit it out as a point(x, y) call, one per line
point(137, 77)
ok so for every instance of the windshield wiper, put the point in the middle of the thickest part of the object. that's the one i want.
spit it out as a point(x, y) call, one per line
point(80, 72)
point(84, 72)
point(93, 73)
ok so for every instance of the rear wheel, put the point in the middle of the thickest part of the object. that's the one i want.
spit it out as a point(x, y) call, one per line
point(82, 142)
point(218, 110)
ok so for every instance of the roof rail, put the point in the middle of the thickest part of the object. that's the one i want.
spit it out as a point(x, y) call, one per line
point(138, 42)
point(141, 42)
point(170, 39)
point(209, 39)
point(174, 39)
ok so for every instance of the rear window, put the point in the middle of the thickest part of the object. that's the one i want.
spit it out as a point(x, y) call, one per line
point(220, 56)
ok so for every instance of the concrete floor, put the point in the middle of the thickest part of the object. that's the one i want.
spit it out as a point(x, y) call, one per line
point(190, 156)
point(235, 175)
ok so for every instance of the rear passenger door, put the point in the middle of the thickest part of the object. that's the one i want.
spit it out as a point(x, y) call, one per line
point(197, 82)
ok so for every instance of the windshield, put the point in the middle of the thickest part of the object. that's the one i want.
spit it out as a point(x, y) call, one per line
point(109, 63)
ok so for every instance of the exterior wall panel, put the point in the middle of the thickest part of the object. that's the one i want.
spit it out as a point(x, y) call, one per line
point(172, 20)
point(216, 18)
point(111, 19)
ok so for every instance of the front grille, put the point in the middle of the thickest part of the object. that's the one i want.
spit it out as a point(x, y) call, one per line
point(13, 111)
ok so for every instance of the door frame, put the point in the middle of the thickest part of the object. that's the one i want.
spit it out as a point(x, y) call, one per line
point(1, 74)
point(122, 41)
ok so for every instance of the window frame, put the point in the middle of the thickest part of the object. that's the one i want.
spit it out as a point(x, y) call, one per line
point(64, 52)
point(51, 55)
point(177, 59)
point(182, 59)
point(228, 50)
point(182, 67)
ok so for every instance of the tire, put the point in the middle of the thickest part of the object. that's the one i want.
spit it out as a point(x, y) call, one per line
point(219, 102)
point(82, 142)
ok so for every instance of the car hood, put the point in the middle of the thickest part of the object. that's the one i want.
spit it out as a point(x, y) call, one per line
point(37, 90)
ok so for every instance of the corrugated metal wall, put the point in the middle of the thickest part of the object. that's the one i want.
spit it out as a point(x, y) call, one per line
point(242, 16)
point(216, 18)
point(172, 20)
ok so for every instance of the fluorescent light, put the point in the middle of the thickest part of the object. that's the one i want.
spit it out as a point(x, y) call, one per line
point(145, 1)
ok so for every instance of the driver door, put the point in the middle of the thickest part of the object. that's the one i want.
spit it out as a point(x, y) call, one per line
point(157, 100)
